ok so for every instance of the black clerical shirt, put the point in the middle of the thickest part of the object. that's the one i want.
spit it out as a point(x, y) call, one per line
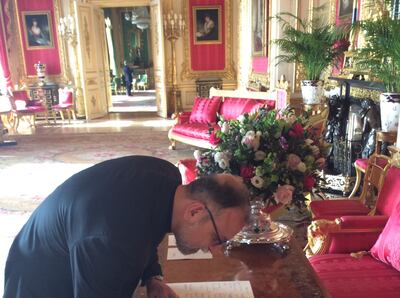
point(97, 234)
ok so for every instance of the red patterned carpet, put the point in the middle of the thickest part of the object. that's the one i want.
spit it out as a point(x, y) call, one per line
point(33, 168)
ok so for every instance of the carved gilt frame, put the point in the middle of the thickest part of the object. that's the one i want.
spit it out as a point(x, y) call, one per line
point(63, 77)
point(228, 72)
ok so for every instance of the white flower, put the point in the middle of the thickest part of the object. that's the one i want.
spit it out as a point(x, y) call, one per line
point(302, 167)
point(223, 164)
point(257, 181)
point(219, 156)
point(197, 154)
point(259, 155)
point(315, 150)
point(240, 118)
point(225, 127)
point(259, 133)
point(242, 131)
point(308, 142)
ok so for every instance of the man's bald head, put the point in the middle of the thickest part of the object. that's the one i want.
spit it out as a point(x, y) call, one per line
point(221, 190)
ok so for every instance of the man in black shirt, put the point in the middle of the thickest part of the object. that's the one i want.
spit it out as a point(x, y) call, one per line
point(97, 234)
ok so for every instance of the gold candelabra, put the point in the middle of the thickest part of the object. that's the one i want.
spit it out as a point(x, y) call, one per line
point(67, 30)
point(174, 26)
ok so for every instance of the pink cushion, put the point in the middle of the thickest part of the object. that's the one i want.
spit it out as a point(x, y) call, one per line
point(193, 130)
point(363, 162)
point(387, 247)
point(187, 168)
point(62, 106)
point(331, 209)
point(389, 196)
point(346, 277)
point(232, 108)
point(205, 110)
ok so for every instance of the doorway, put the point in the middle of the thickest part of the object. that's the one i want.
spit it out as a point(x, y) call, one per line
point(130, 58)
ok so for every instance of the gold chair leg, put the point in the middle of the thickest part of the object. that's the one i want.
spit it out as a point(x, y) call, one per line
point(357, 183)
point(62, 115)
point(73, 114)
point(69, 116)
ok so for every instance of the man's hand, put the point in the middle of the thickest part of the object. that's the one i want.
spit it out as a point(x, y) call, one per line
point(158, 289)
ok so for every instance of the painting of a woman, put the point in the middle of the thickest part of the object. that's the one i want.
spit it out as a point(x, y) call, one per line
point(38, 30)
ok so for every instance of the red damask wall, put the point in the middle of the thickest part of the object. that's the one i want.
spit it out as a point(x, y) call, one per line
point(49, 56)
point(206, 57)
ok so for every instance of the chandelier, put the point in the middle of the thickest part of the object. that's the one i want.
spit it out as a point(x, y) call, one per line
point(138, 18)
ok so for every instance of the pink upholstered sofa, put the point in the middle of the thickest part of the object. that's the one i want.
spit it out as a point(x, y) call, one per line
point(193, 127)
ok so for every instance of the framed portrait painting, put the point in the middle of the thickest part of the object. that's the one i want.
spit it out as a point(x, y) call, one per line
point(258, 27)
point(207, 24)
point(345, 9)
point(38, 30)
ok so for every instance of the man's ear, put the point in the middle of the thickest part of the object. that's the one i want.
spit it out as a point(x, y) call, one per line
point(193, 212)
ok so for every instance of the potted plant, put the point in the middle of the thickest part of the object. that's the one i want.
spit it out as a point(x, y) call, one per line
point(380, 56)
point(314, 45)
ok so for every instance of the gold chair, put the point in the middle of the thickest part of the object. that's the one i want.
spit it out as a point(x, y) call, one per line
point(361, 164)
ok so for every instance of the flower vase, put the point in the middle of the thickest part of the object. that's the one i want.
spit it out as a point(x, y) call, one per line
point(261, 229)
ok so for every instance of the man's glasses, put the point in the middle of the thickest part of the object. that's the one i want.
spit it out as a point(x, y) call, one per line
point(220, 242)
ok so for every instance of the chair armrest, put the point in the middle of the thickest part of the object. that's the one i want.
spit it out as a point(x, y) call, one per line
point(183, 117)
point(344, 235)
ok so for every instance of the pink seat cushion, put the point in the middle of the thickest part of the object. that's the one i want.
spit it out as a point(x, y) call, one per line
point(205, 110)
point(187, 168)
point(194, 130)
point(347, 277)
point(32, 109)
point(62, 106)
point(389, 196)
point(232, 108)
point(363, 163)
point(331, 209)
point(387, 247)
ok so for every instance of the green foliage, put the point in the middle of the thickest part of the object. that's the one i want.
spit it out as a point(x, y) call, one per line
point(380, 54)
point(314, 44)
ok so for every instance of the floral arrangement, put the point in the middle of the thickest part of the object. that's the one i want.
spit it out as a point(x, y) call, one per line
point(275, 153)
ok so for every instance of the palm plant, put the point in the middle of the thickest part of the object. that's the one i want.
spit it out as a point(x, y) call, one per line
point(380, 54)
point(314, 44)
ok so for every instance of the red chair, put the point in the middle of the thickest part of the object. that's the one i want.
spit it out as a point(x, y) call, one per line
point(374, 178)
point(65, 103)
point(361, 164)
point(358, 256)
point(22, 106)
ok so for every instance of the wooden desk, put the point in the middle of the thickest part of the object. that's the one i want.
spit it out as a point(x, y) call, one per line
point(270, 274)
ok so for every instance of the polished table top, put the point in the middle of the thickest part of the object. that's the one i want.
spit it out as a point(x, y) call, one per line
point(270, 272)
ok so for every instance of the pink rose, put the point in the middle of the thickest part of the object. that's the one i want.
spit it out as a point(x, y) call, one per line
point(296, 131)
point(247, 172)
point(293, 161)
point(284, 194)
point(308, 182)
point(214, 140)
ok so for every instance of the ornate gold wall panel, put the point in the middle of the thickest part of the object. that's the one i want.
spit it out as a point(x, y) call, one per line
point(15, 48)
point(229, 71)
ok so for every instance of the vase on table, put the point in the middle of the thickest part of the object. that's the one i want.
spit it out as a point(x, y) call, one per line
point(261, 229)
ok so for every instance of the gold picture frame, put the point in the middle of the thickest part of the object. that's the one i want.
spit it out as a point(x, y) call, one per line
point(259, 11)
point(207, 25)
point(38, 30)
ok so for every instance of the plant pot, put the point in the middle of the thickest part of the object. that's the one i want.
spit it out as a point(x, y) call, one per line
point(390, 111)
point(312, 91)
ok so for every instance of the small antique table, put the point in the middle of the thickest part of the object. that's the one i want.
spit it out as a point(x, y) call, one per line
point(271, 273)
